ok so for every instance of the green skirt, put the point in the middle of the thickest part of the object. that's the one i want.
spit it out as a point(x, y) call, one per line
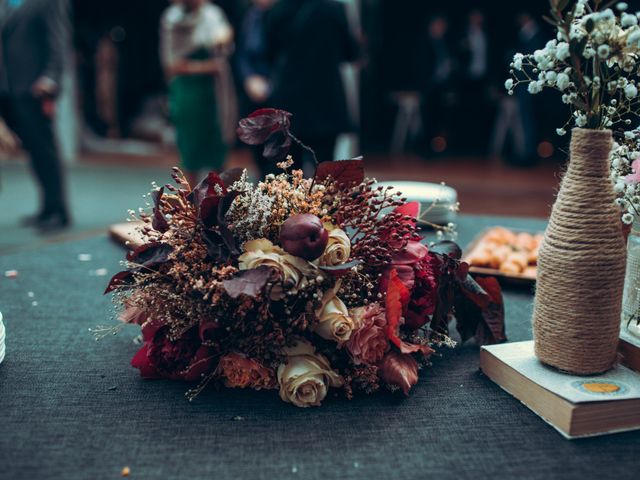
point(193, 110)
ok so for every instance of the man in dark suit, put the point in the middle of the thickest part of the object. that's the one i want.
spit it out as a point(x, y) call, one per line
point(308, 40)
point(34, 38)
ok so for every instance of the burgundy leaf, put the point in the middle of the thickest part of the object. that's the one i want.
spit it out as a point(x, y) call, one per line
point(119, 280)
point(261, 124)
point(150, 254)
point(345, 173)
point(158, 222)
point(480, 311)
point(230, 176)
point(400, 370)
point(277, 146)
point(447, 247)
point(248, 282)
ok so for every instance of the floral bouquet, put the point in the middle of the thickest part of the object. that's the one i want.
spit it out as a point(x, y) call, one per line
point(296, 284)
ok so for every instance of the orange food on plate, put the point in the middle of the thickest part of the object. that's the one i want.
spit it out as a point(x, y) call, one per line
point(507, 251)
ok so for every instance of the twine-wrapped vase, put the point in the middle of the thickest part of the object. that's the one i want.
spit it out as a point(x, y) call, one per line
point(581, 265)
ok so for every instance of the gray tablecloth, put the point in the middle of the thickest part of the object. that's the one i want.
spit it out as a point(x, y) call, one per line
point(73, 408)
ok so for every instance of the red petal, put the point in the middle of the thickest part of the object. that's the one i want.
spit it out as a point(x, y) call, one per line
point(396, 299)
point(411, 209)
point(142, 363)
point(399, 369)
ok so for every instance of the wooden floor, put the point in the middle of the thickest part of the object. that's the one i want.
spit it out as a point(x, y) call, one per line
point(485, 185)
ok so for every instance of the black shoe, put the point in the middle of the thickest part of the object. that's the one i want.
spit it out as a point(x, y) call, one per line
point(33, 220)
point(53, 222)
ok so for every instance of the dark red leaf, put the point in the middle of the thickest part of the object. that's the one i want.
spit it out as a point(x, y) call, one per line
point(344, 173)
point(261, 124)
point(277, 146)
point(400, 370)
point(158, 222)
point(230, 176)
point(150, 254)
point(447, 247)
point(248, 282)
point(480, 311)
point(119, 280)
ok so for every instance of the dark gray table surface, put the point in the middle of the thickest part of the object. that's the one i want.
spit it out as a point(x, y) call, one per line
point(73, 408)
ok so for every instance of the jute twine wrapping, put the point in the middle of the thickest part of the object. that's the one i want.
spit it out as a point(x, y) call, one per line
point(581, 265)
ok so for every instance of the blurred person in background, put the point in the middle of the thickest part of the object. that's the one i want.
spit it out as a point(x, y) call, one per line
point(196, 39)
point(34, 40)
point(436, 80)
point(253, 67)
point(530, 39)
point(473, 91)
point(307, 40)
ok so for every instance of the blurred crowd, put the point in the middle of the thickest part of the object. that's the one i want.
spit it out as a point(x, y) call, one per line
point(182, 72)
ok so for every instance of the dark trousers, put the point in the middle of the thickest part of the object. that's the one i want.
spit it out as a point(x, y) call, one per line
point(25, 117)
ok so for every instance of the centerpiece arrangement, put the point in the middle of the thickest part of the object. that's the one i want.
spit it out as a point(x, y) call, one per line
point(296, 284)
point(594, 63)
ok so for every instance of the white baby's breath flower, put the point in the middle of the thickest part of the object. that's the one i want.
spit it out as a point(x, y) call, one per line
point(534, 87)
point(561, 131)
point(627, 218)
point(630, 91)
point(622, 6)
point(588, 53)
point(604, 50)
point(633, 39)
point(508, 84)
point(581, 119)
point(627, 20)
point(562, 51)
point(517, 61)
point(562, 81)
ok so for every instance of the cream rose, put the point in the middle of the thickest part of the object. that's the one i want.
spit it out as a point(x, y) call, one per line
point(293, 271)
point(338, 247)
point(334, 321)
point(306, 376)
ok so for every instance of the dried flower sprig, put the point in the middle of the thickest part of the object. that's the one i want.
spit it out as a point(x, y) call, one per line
point(594, 62)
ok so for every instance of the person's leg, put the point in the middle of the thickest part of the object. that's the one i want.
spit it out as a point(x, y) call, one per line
point(35, 130)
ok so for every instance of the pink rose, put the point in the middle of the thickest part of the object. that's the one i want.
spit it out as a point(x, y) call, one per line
point(369, 342)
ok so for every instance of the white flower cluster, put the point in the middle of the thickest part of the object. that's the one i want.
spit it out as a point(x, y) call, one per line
point(594, 62)
point(625, 174)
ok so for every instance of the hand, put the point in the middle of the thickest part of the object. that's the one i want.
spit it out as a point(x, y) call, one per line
point(257, 88)
point(44, 87)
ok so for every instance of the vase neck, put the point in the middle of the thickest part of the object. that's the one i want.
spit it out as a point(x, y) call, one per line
point(590, 150)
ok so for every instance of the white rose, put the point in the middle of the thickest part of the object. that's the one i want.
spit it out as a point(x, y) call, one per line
point(338, 247)
point(306, 376)
point(293, 271)
point(334, 321)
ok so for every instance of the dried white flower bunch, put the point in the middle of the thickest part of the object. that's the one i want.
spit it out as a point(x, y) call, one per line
point(594, 62)
point(625, 174)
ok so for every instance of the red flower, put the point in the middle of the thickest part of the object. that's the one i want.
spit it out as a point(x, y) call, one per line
point(400, 370)
point(414, 266)
point(369, 342)
point(182, 359)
